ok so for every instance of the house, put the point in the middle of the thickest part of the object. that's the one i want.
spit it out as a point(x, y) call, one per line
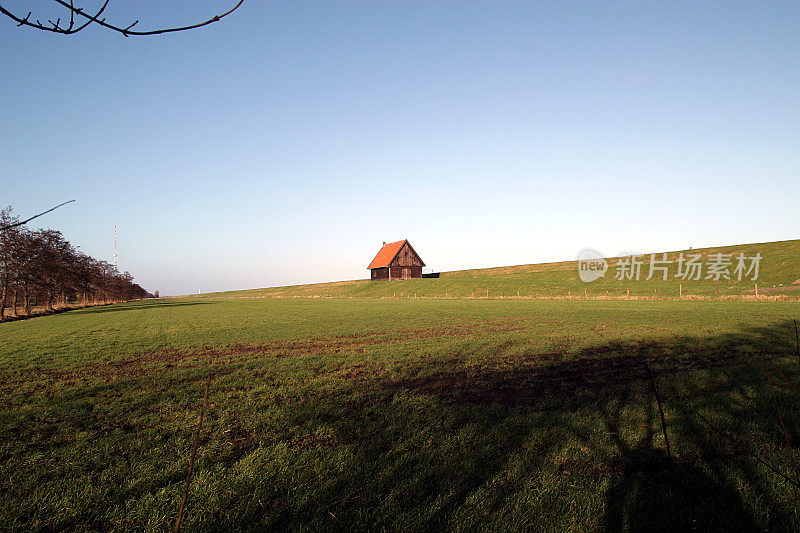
point(396, 260)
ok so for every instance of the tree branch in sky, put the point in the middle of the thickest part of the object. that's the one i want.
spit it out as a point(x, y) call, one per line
point(15, 224)
point(85, 19)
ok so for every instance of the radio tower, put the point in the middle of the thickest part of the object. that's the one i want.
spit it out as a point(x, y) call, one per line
point(115, 246)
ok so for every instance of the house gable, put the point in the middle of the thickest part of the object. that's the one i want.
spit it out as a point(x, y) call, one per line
point(406, 256)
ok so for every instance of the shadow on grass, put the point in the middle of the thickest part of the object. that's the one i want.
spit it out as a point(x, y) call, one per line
point(46, 312)
point(100, 308)
point(514, 441)
point(598, 403)
point(136, 306)
point(721, 376)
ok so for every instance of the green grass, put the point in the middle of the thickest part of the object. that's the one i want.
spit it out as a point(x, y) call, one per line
point(779, 270)
point(365, 414)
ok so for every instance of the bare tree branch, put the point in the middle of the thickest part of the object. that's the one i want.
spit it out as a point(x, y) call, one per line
point(34, 216)
point(55, 27)
point(66, 31)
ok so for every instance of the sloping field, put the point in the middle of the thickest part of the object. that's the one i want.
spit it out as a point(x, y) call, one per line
point(412, 415)
point(779, 273)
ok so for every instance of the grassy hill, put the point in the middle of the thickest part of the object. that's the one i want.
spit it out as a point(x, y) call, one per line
point(779, 270)
point(381, 414)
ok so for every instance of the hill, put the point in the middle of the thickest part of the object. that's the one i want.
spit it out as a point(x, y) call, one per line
point(779, 273)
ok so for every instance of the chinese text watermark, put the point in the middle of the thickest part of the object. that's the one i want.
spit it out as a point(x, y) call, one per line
point(684, 266)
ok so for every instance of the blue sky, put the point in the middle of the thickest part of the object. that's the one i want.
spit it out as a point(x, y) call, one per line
point(286, 142)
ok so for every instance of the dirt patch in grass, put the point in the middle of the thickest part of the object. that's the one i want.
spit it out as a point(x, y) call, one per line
point(221, 356)
point(355, 341)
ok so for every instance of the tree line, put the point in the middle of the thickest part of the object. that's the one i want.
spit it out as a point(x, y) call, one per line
point(42, 269)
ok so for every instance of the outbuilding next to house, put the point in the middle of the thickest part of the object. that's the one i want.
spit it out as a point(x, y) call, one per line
point(396, 260)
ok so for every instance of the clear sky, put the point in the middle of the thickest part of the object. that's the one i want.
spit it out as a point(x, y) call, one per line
point(286, 142)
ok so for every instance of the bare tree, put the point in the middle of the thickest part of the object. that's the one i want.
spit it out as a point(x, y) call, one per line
point(79, 19)
point(7, 239)
point(42, 269)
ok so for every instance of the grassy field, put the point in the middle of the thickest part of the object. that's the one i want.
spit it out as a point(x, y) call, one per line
point(779, 274)
point(365, 414)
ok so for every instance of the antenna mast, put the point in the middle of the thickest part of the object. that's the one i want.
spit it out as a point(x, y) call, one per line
point(115, 246)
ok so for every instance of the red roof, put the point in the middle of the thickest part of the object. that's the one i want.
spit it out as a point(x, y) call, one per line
point(387, 253)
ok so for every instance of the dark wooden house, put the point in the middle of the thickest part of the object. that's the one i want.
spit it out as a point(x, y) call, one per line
point(396, 260)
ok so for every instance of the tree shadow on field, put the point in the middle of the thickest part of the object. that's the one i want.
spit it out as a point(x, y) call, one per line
point(510, 440)
point(135, 306)
point(457, 443)
point(99, 308)
point(719, 486)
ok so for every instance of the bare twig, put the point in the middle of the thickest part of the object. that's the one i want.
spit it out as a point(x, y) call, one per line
point(14, 225)
point(194, 453)
point(796, 338)
point(666, 437)
point(781, 374)
point(66, 31)
point(126, 31)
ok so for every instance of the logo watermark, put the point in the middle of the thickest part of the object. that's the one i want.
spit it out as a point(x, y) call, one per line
point(591, 265)
point(684, 266)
